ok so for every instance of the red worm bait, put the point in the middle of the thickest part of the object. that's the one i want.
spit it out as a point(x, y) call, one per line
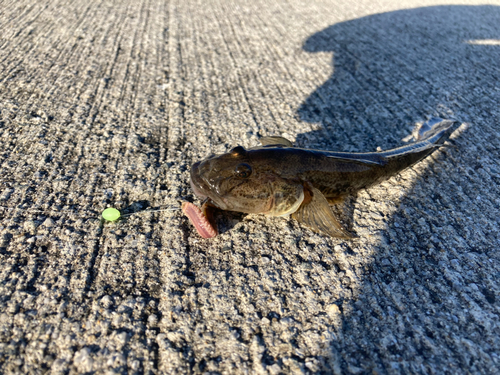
point(200, 222)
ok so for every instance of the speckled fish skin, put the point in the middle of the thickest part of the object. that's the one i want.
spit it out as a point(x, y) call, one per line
point(279, 180)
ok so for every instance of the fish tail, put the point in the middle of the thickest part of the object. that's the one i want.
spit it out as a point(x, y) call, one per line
point(431, 136)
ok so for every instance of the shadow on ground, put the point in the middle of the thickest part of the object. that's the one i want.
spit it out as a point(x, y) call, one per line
point(424, 298)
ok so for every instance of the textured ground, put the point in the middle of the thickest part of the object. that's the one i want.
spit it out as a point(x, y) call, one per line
point(108, 103)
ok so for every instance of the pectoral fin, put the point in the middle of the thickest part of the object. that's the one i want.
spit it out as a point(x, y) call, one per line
point(275, 141)
point(316, 213)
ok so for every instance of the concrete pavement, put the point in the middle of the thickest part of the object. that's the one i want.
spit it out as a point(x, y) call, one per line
point(108, 103)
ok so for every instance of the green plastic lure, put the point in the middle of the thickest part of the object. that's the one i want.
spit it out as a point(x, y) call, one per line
point(111, 214)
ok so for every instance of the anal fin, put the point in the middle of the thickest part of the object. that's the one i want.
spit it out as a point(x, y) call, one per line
point(315, 212)
point(335, 200)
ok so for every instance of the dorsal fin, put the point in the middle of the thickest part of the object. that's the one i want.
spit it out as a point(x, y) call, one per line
point(275, 140)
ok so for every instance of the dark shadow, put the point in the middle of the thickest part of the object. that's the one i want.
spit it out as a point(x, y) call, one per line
point(410, 312)
point(227, 220)
point(136, 207)
point(391, 70)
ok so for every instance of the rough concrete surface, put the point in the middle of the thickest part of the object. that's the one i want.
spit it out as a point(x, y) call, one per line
point(108, 103)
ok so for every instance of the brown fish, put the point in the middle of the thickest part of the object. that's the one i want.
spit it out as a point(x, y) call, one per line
point(278, 179)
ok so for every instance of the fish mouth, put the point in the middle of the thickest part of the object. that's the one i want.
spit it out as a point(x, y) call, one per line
point(198, 185)
point(201, 188)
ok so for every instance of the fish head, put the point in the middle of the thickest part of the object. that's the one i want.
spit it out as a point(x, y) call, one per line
point(242, 181)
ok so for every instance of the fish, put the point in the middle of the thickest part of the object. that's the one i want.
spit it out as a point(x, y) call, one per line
point(278, 179)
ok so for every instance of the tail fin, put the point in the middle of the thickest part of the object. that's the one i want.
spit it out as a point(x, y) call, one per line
point(431, 135)
point(434, 130)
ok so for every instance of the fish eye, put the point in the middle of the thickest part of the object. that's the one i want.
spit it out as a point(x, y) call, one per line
point(243, 170)
point(237, 151)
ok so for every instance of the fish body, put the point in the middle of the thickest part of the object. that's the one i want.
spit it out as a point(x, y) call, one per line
point(277, 179)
